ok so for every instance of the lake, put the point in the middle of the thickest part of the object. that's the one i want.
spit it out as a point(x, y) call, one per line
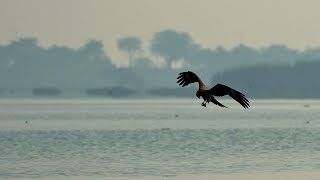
point(158, 139)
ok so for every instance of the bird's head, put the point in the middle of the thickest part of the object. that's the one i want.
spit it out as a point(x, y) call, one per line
point(198, 94)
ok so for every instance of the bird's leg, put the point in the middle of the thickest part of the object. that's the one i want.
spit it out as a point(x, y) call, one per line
point(204, 104)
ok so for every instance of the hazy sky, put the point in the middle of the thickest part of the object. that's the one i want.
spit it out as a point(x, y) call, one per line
point(256, 23)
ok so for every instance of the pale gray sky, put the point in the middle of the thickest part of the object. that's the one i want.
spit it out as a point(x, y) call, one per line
point(256, 23)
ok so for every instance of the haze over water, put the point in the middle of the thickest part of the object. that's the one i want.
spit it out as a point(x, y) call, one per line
point(158, 139)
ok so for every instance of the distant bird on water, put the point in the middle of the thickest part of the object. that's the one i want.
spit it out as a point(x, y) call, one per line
point(186, 78)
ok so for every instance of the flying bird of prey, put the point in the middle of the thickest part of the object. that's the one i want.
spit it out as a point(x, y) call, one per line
point(186, 78)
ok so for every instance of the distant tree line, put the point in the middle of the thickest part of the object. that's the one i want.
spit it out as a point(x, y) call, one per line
point(299, 80)
point(26, 65)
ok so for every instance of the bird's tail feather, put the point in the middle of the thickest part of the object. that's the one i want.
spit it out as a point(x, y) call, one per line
point(214, 101)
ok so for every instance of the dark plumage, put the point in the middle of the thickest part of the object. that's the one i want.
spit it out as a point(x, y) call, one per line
point(186, 78)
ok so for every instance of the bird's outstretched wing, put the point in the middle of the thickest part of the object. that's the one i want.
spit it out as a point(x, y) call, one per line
point(186, 78)
point(222, 90)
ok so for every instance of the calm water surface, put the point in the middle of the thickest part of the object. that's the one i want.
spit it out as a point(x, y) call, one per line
point(112, 138)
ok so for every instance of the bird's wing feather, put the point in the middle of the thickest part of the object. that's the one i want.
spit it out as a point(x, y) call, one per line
point(222, 90)
point(186, 78)
point(214, 101)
